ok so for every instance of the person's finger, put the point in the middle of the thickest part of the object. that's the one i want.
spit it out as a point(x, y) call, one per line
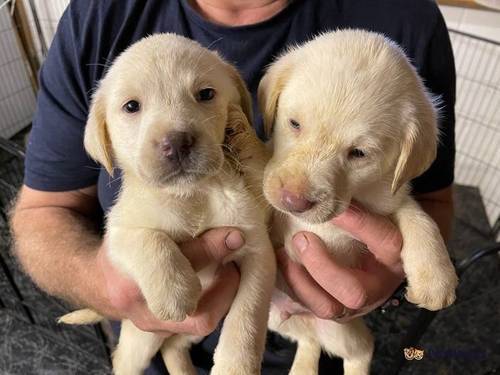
point(212, 246)
point(307, 291)
point(380, 235)
point(212, 307)
point(341, 282)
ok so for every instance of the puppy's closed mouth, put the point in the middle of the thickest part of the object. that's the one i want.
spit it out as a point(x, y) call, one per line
point(189, 172)
point(318, 211)
point(318, 215)
point(180, 175)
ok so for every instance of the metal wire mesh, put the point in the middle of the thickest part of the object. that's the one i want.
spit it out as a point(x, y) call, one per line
point(478, 117)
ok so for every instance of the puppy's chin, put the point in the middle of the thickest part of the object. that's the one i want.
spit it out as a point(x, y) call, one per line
point(178, 179)
point(321, 212)
point(185, 179)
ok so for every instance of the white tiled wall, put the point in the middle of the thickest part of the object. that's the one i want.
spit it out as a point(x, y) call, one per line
point(49, 12)
point(17, 99)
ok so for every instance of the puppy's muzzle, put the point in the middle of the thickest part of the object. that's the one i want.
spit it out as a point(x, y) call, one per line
point(295, 203)
point(176, 147)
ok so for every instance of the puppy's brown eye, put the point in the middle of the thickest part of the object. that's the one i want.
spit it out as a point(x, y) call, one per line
point(356, 153)
point(205, 95)
point(132, 106)
point(294, 124)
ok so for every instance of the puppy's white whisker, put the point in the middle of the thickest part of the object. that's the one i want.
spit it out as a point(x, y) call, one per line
point(215, 41)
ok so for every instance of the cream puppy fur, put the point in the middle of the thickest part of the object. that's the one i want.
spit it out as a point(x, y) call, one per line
point(351, 120)
point(161, 114)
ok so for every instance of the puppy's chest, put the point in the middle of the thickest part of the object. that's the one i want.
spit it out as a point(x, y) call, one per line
point(232, 203)
point(219, 204)
point(345, 249)
point(182, 219)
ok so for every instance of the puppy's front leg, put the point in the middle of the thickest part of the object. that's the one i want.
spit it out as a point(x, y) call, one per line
point(242, 339)
point(431, 276)
point(164, 275)
point(134, 350)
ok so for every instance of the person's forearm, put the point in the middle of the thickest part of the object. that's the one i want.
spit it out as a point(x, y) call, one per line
point(57, 247)
point(439, 205)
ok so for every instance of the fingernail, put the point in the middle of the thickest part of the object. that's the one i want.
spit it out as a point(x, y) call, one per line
point(234, 240)
point(300, 242)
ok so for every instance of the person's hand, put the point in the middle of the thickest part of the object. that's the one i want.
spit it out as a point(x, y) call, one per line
point(214, 245)
point(331, 291)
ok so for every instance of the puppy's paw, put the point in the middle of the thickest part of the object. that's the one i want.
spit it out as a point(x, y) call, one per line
point(176, 299)
point(432, 289)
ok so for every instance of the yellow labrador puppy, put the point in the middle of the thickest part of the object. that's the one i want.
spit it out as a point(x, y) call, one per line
point(161, 115)
point(351, 120)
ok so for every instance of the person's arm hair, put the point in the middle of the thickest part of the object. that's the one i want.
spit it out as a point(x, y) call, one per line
point(56, 242)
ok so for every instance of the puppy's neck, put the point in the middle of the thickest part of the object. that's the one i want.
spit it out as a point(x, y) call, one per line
point(140, 188)
point(134, 186)
point(379, 199)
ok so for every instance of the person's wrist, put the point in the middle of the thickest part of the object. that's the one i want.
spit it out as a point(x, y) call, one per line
point(95, 291)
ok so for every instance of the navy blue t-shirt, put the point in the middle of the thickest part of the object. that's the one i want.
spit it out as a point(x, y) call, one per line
point(91, 33)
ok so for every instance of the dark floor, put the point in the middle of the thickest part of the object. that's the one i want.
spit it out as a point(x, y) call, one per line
point(463, 339)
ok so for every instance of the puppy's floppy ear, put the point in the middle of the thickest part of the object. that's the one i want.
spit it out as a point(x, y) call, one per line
point(419, 142)
point(96, 140)
point(270, 87)
point(245, 97)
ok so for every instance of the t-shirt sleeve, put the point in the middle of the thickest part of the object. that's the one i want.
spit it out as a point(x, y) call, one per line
point(55, 156)
point(439, 77)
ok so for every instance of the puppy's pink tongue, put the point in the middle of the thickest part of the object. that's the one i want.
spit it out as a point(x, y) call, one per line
point(294, 202)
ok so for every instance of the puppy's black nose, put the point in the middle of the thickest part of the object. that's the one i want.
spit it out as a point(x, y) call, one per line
point(176, 146)
point(295, 203)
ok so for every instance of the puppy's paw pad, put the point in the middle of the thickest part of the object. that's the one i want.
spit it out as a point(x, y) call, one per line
point(433, 294)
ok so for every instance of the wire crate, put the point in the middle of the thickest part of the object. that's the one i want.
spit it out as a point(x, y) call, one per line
point(478, 118)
